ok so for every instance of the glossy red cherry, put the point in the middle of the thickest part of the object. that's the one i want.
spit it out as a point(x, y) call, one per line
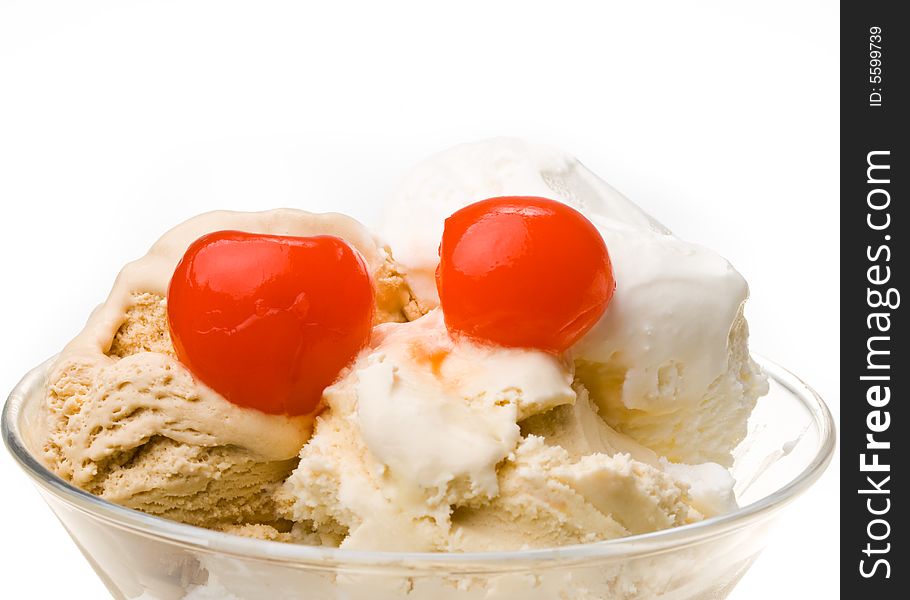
point(268, 321)
point(523, 271)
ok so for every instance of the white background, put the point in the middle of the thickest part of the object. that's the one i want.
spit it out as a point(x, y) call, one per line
point(118, 120)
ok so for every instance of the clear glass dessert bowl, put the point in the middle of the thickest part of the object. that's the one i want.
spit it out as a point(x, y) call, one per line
point(790, 442)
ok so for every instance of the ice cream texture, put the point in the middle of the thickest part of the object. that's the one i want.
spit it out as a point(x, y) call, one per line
point(435, 443)
point(668, 362)
point(127, 421)
point(429, 440)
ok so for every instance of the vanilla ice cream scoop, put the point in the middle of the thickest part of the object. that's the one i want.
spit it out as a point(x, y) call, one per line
point(438, 443)
point(419, 424)
point(668, 362)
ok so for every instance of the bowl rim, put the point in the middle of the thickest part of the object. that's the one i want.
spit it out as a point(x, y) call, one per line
point(198, 538)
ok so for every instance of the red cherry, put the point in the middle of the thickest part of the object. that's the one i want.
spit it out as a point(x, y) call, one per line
point(523, 271)
point(268, 321)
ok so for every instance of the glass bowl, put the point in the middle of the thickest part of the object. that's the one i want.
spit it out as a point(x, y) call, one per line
point(790, 442)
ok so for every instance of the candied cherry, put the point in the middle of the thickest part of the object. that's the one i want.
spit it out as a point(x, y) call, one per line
point(268, 321)
point(523, 271)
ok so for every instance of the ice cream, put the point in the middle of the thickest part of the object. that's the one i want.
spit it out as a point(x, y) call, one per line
point(428, 439)
point(668, 363)
point(431, 443)
point(127, 421)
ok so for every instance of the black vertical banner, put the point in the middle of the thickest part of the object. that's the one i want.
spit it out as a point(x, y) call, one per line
point(874, 436)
